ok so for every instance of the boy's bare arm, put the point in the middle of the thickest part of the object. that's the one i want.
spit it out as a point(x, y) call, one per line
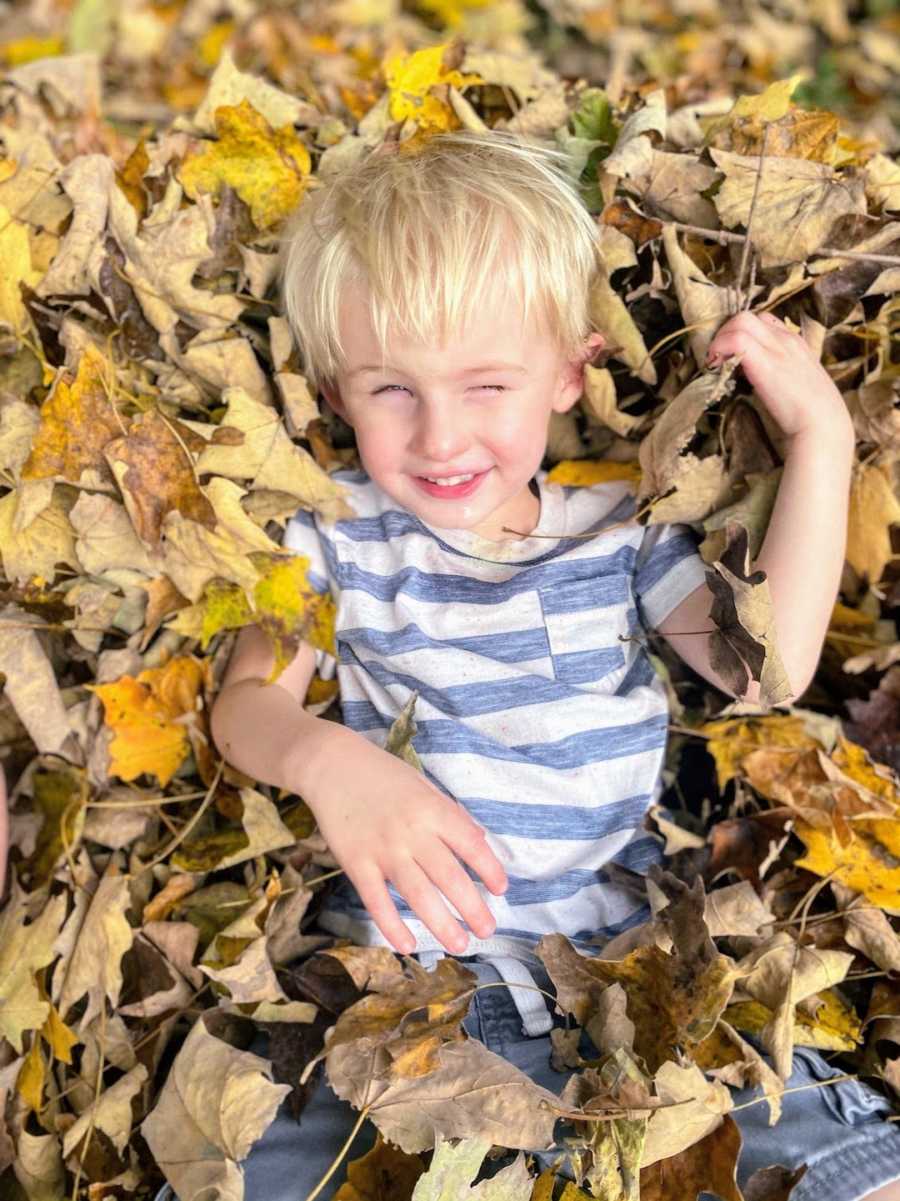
point(802, 555)
point(263, 729)
point(805, 543)
point(382, 819)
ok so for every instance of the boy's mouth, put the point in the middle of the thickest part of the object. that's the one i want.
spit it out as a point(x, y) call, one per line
point(450, 491)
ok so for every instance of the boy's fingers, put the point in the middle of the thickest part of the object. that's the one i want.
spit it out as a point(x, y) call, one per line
point(447, 873)
point(478, 854)
point(426, 902)
point(381, 908)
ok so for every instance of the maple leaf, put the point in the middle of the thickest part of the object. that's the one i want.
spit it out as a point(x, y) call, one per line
point(77, 421)
point(153, 469)
point(148, 715)
point(411, 79)
point(674, 999)
point(266, 167)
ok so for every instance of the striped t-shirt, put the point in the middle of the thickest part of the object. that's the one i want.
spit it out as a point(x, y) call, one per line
point(534, 710)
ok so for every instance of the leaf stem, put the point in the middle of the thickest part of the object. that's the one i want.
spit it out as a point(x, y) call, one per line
point(363, 1114)
point(798, 1088)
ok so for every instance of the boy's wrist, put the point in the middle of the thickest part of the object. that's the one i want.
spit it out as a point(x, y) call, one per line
point(266, 734)
point(308, 760)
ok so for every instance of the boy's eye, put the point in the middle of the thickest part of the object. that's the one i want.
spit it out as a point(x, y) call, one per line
point(388, 387)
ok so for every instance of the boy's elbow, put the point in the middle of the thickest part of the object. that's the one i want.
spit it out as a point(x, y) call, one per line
point(218, 721)
point(752, 696)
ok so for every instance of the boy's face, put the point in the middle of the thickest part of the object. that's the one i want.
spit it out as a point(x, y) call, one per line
point(456, 410)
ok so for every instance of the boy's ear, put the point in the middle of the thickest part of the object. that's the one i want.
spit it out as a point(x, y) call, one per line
point(332, 394)
point(573, 375)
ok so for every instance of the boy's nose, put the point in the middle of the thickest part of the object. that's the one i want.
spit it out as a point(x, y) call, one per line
point(440, 437)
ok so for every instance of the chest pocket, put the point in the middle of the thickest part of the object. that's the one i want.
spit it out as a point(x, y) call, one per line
point(583, 619)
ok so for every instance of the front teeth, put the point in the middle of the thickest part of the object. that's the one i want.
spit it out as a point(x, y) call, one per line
point(453, 479)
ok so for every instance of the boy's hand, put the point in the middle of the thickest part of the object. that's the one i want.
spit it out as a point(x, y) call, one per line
point(793, 385)
point(383, 820)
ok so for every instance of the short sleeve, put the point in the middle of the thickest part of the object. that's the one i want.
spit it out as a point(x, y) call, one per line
point(668, 568)
point(302, 536)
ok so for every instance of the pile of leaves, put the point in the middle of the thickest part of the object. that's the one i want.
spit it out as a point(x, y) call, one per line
point(157, 432)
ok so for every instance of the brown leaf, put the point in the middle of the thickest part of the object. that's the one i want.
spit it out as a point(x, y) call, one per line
point(775, 1183)
point(390, 1018)
point(673, 999)
point(707, 1166)
point(867, 929)
point(466, 1092)
point(152, 467)
point(216, 1102)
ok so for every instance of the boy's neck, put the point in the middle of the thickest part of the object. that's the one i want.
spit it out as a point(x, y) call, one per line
point(524, 520)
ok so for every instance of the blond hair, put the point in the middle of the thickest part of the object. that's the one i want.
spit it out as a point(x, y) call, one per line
point(424, 232)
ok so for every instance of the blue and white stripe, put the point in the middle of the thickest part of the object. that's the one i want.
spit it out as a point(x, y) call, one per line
point(538, 709)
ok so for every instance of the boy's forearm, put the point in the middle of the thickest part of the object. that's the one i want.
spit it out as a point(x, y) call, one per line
point(805, 544)
point(265, 733)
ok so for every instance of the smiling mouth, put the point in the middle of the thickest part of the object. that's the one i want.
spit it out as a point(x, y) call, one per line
point(462, 487)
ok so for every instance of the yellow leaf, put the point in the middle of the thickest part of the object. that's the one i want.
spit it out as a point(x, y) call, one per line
point(147, 714)
point(733, 738)
point(285, 606)
point(58, 1035)
point(15, 255)
point(452, 13)
point(865, 863)
point(29, 49)
point(410, 79)
point(874, 508)
point(770, 104)
point(855, 761)
point(30, 1081)
point(211, 44)
point(267, 167)
point(584, 473)
point(224, 607)
point(835, 1027)
point(320, 691)
point(77, 420)
point(288, 608)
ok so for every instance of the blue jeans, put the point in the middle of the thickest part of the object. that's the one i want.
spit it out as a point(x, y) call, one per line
point(838, 1130)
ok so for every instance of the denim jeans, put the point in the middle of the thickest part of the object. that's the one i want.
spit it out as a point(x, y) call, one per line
point(839, 1130)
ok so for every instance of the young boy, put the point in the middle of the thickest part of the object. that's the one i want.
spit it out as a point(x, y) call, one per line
point(441, 303)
